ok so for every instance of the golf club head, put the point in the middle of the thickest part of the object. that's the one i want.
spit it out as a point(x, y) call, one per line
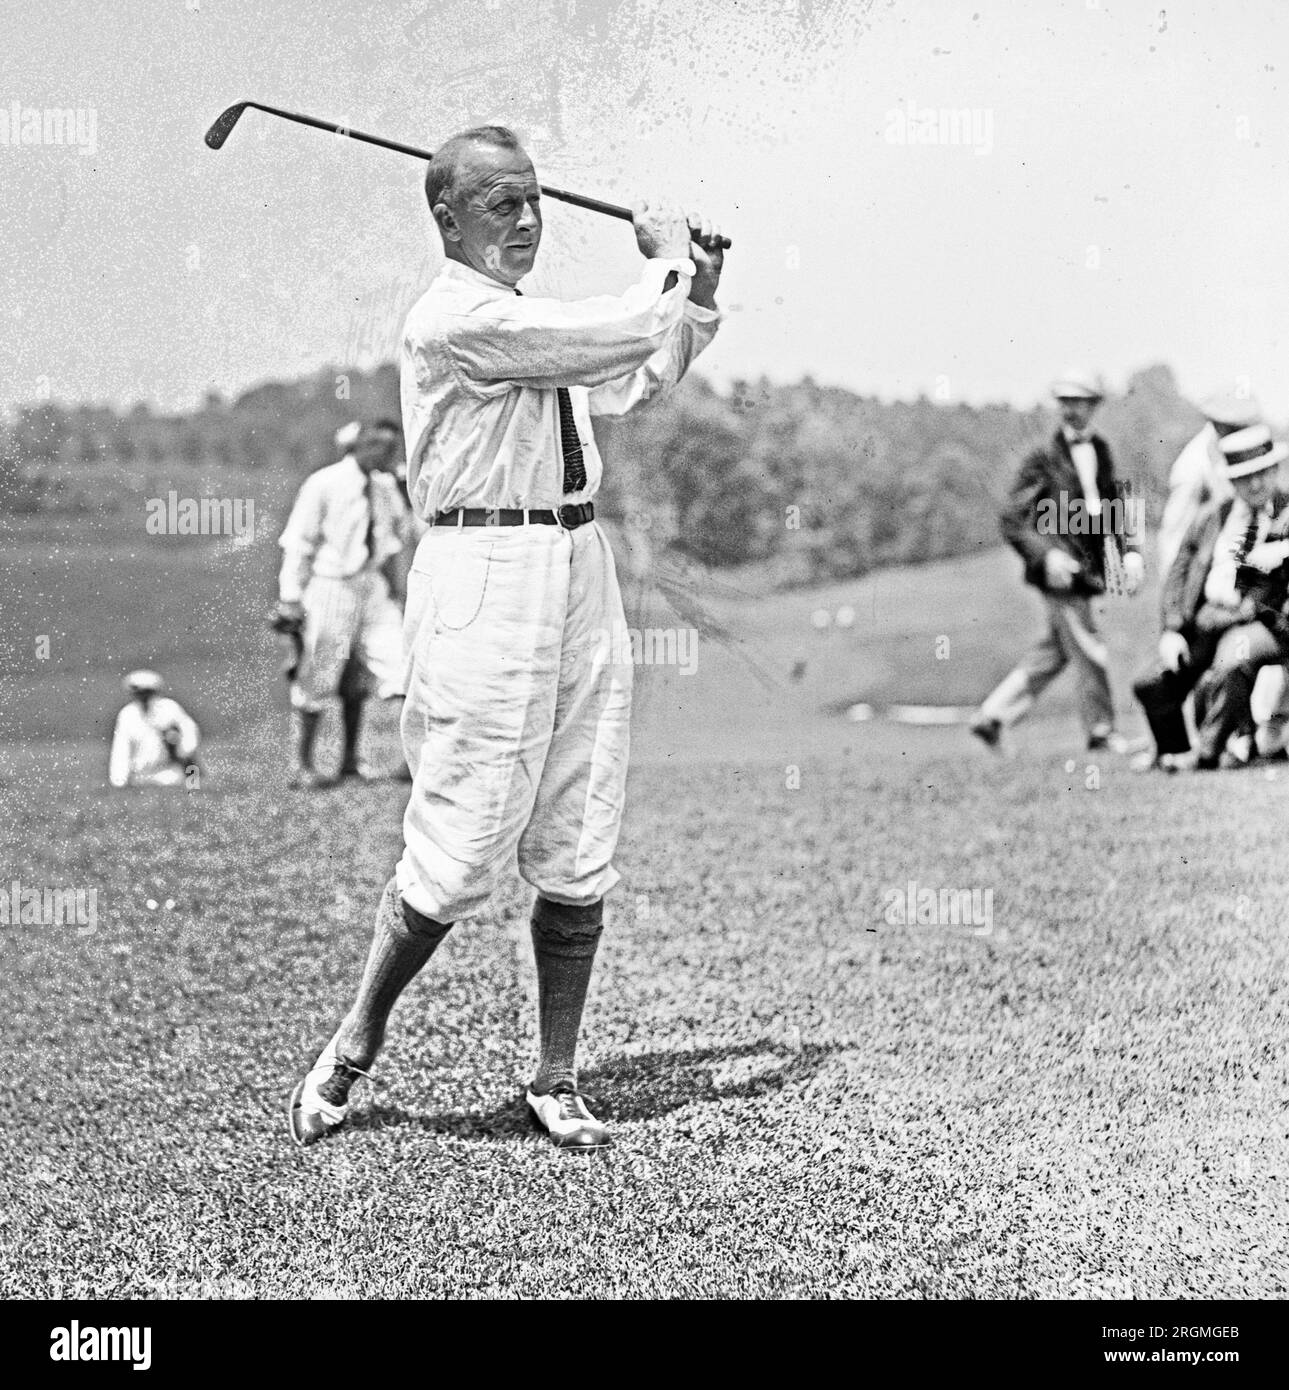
point(220, 130)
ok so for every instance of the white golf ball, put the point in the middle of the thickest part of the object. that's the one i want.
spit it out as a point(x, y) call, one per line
point(845, 616)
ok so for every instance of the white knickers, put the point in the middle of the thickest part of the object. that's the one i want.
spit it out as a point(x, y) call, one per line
point(343, 616)
point(517, 720)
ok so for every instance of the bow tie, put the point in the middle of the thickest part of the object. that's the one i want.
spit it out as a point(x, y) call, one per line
point(1079, 438)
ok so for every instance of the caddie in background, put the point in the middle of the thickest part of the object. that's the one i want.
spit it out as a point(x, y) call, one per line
point(1060, 521)
point(155, 741)
point(1196, 480)
point(516, 721)
point(347, 524)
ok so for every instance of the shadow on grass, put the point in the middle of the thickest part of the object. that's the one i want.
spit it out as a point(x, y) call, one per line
point(631, 1088)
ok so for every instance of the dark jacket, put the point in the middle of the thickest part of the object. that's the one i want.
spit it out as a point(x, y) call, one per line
point(1183, 594)
point(1034, 504)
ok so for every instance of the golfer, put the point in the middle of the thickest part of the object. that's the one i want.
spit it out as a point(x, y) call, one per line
point(515, 725)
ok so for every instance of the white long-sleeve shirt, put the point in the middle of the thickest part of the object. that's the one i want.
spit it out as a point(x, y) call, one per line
point(139, 752)
point(480, 368)
point(326, 533)
point(1197, 476)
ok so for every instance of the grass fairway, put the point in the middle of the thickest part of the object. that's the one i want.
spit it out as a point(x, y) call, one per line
point(1083, 1097)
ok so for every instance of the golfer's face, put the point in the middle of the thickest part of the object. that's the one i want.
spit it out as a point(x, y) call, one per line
point(500, 215)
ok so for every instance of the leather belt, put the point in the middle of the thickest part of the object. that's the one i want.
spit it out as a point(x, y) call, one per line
point(569, 517)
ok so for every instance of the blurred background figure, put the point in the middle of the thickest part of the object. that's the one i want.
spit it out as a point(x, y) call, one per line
point(1198, 477)
point(1068, 566)
point(345, 528)
point(155, 741)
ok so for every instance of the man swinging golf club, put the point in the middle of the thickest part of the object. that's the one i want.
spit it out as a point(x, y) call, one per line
point(515, 725)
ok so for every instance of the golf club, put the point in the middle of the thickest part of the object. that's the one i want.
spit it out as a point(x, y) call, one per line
point(222, 128)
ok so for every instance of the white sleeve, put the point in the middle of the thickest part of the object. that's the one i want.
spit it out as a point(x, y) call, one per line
point(663, 370)
point(189, 734)
point(118, 762)
point(1185, 498)
point(548, 342)
point(300, 540)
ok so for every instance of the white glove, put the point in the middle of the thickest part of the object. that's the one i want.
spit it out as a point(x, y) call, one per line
point(1059, 569)
point(1134, 571)
point(1174, 650)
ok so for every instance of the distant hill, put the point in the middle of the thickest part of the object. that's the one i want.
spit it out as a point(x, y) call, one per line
point(808, 483)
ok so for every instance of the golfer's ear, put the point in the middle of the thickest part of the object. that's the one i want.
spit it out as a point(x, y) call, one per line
point(447, 221)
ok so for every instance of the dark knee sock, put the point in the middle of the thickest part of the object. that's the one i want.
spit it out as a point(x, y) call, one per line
point(564, 945)
point(351, 715)
point(402, 942)
point(307, 735)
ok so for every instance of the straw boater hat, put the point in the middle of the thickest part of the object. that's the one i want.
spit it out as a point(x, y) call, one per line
point(1225, 409)
point(1251, 450)
point(1078, 384)
point(138, 681)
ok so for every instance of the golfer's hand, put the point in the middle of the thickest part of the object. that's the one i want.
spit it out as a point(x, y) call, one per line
point(1174, 651)
point(1059, 569)
point(661, 230)
point(1268, 556)
point(1134, 571)
point(708, 256)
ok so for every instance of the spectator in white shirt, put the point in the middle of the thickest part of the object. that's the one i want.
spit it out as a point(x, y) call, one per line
point(346, 526)
point(155, 741)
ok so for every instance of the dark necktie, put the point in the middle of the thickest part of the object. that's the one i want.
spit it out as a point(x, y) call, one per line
point(574, 468)
point(370, 538)
point(1249, 539)
point(1245, 578)
point(570, 444)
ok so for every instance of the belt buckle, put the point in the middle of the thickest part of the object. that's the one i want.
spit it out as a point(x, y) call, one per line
point(565, 524)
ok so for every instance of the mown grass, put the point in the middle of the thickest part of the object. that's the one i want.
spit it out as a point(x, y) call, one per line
point(1087, 1099)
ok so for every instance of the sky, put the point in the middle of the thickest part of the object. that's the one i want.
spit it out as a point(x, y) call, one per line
point(925, 196)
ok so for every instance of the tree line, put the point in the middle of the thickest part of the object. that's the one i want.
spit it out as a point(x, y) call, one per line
point(816, 481)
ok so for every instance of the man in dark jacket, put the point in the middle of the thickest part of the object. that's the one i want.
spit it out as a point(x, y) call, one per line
point(1074, 526)
point(1224, 608)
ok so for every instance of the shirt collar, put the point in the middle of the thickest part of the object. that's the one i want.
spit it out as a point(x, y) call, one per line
point(455, 270)
point(1071, 438)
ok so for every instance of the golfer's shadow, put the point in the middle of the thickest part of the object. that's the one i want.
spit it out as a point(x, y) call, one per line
point(627, 1088)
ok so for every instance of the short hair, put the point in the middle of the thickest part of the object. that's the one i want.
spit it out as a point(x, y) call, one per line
point(384, 422)
point(443, 177)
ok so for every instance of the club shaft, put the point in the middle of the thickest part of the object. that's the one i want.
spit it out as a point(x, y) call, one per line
point(560, 194)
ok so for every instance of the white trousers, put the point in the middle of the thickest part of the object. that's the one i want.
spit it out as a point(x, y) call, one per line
point(517, 720)
point(342, 617)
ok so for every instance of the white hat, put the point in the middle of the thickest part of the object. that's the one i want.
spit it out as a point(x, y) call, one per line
point(1078, 383)
point(347, 435)
point(1226, 409)
point(138, 681)
point(1251, 450)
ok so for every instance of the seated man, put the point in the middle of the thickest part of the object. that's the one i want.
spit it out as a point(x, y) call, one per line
point(155, 740)
point(1223, 608)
